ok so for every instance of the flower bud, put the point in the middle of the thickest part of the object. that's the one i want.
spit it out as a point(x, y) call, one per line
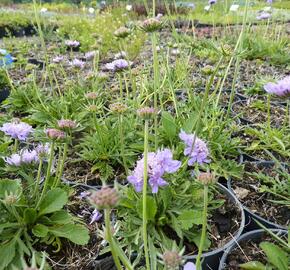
point(55, 134)
point(172, 259)
point(93, 108)
point(118, 107)
point(66, 123)
point(10, 199)
point(206, 178)
point(105, 198)
point(122, 32)
point(91, 95)
point(151, 25)
point(146, 112)
point(226, 50)
point(207, 70)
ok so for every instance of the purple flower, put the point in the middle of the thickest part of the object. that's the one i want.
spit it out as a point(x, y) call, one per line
point(269, 1)
point(72, 43)
point(96, 216)
point(197, 152)
point(43, 149)
point(280, 88)
point(159, 163)
point(90, 55)
point(263, 16)
point(117, 65)
point(17, 130)
point(23, 157)
point(57, 59)
point(211, 2)
point(84, 194)
point(77, 63)
point(189, 266)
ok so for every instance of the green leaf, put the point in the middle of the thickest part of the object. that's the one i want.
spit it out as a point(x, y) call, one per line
point(76, 233)
point(54, 200)
point(188, 218)
point(279, 142)
point(153, 254)
point(61, 217)
point(169, 125)
point(276, 256)
point(151, 208)
point(8, 186)
point(40, 230)
point(29, 215)
point(7, 253)
point(254, 265)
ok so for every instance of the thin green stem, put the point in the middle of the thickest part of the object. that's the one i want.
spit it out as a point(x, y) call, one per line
point(145, 176)
point(64, 154)
point(204, 226)
point(110, 239)
point(46, 180)
point(122, 145)
point(36, 187)
point(268, 111)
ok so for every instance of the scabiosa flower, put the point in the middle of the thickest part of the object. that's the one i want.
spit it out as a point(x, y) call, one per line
point(151, 24)
point(146, 112)
point(17, 130)
point(43, 149)
point(66, 123)
point(280, 88)
point(72, 43)
point(159, 163)
point(105, 198)
point(212, 2)
point(76, 63)
point(23, 157)
point(263, 16)
point(90, 55)
point(206, 178)
point(57, 59)
point(118, 65)
point(197, 152)
point(96, 216)
point(118, 107)
point(55, 134)
point(122, 32)
point(189, 266)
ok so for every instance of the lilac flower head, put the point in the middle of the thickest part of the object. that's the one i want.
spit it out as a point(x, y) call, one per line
point(269, 1)
point(72, 43)
point(189, 266)
point(17, 130)
point(117, 65)
point(90, 55)
point(280, 88)
point(159, 163)
point(212, 2)
point(263, 16)
point(197, 152)
point(23, 157)
point(77, 63)
point(57, 59)
point(96, 216)
point(42, 149)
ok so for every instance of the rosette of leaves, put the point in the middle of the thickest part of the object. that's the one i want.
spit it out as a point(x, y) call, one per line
point(22, 226)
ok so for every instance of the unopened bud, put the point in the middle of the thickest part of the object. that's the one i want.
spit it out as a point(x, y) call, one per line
point(105, 198)
point(206, 178)
point(172, 259)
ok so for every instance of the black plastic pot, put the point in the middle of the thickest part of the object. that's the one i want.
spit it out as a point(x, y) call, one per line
point(211, 259)
point(250, 217)
point(4, 93)
point(253, 235)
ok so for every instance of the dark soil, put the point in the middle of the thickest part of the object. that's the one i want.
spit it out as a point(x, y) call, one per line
point(248, 190)
point(247, 251)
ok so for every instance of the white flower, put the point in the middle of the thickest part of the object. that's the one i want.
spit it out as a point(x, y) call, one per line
point(207, 8)
point(129, 7)
point(234, 8)
point(91, 10)
point(43, 10)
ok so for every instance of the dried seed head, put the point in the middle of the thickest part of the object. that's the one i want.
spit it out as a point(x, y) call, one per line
point(226, 49)
point(206, 178)
point(207, 70)
point(118, 107)
point(91, 95)
point(106, 198)
point(55, 134)
point(122, 32)
point(172, 259)
point(146, 112)
point(10, 199)
point(66, 123)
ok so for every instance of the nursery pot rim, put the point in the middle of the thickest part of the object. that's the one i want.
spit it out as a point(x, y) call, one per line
point(246, 236)
point(235, 200)
point(255, 216)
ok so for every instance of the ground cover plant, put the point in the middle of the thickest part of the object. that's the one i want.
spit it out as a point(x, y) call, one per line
point(132, 139)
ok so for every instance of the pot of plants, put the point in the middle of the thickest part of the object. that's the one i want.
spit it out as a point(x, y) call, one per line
point(246, 191)
point(4, 93)
point(211, 259)
point(254, 111)
point(248, 243)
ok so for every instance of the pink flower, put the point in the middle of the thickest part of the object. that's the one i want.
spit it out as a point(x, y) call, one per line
point(280, 88)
